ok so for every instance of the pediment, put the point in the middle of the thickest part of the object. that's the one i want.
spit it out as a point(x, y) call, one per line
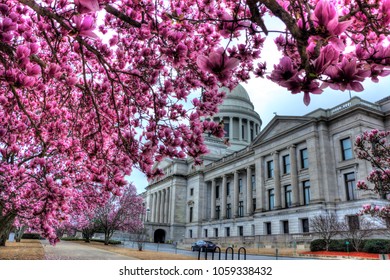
point(280, 125)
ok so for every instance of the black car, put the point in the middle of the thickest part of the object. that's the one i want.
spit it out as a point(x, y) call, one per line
point(203, 245)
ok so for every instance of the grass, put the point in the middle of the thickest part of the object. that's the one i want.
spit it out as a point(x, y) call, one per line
point(27, 249)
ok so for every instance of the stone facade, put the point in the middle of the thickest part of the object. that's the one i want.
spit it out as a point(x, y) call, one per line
point(267, 184)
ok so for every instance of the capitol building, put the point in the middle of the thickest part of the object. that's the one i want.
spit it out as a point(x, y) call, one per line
point(265, 184)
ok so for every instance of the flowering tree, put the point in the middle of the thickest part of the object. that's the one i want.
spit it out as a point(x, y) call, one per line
point(91, 89)
point(374, 147)
point(120, 213)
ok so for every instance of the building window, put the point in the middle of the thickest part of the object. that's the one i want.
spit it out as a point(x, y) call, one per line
point(226, 127)
point(206, 233)
point(252, 134)
point(240, 185)
point(253, 181)
point(288, 196)
point(243, 132)
point(270, 169)
point(216, 232)
point(285, 227)
point(254, 204)
point(241, 231)
point(227, 230)
point(353, 222)
point(268, 229)
point(286, 164)
point(228, 188)
point(218, 212)
point(191, 213)
point(349, 180)
point(217, 192)
point(192, 191)
point(304, 158)
point(228, 211)
point(190, 233)
point(241, 208)
point(305, 225)
point(346, 148)
point(306, 192)
point(271, 199)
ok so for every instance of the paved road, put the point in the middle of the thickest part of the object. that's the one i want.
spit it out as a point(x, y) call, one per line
point(171, 249)
point(67, 250)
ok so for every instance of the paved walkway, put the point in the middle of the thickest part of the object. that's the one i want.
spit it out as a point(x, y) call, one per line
point(67, 250)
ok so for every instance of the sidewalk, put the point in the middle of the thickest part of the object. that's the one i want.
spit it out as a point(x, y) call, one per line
point(73, 251)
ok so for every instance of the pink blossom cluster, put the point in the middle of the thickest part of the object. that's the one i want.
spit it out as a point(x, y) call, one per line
point(336, 44)
point(375, 210)
point(373, 146)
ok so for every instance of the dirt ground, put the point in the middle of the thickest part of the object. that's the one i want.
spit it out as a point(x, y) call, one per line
point(33, 250)
point(27, 249)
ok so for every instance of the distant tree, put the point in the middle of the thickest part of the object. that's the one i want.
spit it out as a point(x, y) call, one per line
point(122, 213)
point(356, 230)
point(326, 226)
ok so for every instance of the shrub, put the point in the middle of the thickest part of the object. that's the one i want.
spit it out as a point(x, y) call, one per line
point(317, 245)
point(112, 242)
point(380, 246)
point(31, 236)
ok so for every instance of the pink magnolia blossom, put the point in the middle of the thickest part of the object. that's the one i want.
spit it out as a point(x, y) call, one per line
point(347, 75)
point(87, 6)
point(218, 63)
point(85, 25)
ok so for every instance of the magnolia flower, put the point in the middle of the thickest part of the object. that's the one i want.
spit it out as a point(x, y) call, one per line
point(85, 26)
point(328, 56)
point(218, 63)
point(347, 75)
point(325, 15)
point(87, 6)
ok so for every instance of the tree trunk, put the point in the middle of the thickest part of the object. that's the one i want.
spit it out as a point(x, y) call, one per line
point(106, 238)
point(5, 227)
point(87, 235)
point(19, 233)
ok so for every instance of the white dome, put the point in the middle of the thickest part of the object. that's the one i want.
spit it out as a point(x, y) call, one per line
point(237, 97)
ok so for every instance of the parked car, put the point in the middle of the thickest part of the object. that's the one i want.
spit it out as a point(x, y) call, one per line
point(203, 245)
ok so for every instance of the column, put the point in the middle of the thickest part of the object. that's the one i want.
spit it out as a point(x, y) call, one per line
point(235, 194)
point(166, 203)
point(231, 128)
point(152, 208)
point(223, 197)
point(157, 215)
point(249, 195)
point(260, 187)
point(170, 205)
point(294, 176)
point(249, 131)
point(173, 205)
point(213, 194)
point(278, 197)
point(162, 199)
point(240, 129)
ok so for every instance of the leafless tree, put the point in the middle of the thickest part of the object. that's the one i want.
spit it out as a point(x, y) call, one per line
point(326, 226)
point(357, 229)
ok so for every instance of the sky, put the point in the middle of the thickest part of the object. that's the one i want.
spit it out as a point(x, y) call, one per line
point(269, 99)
